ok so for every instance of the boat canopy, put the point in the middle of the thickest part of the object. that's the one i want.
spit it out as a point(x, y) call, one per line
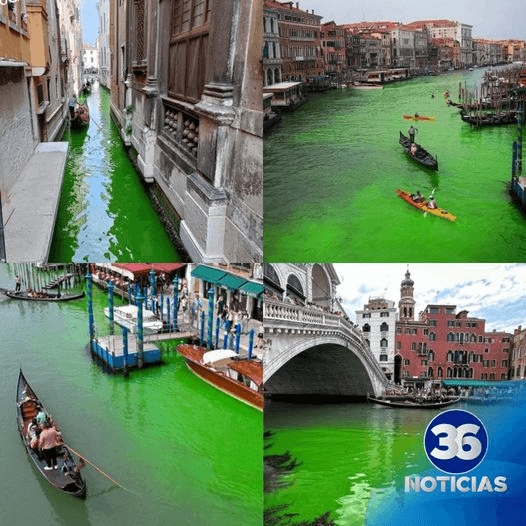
point(229, 281)
point(218, 355)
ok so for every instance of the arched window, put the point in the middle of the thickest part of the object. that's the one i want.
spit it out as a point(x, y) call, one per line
point(269, 77)
point(449, 372)
point(450, 337)
point(470, 357)
point(366, 328)
point(384, 327)
point(432, 337)
point(383, 342)
point(439, 372)
point(430, 372)
point(449, 356)
point(431, 355)
point(265, 50)
point(277, 76)
point(473, 338)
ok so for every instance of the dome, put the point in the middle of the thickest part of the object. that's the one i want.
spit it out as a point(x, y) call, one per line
point(408, 282)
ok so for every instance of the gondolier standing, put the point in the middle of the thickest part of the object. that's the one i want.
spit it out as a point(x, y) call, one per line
point(18, 282)
point(48, 441)
point(412, 130)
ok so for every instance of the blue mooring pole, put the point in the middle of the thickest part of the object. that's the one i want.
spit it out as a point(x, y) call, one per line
point(211, 294)
point(110, 300)
point(218, 327)
point(168, 313)
point(152, 286)
point(161, 305)
point(227, 328)
point(514, 161)
point(250, 343)
point(125, 348)
point(89, 290)
point(202, 332)
point(520, 115)
point(176, 301)
point(238, 336)
point(129, 294)
point(140, 345)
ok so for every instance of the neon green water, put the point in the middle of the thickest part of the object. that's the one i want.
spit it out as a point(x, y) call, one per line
point(105, 213)
point(186, 453)
point(332, 169)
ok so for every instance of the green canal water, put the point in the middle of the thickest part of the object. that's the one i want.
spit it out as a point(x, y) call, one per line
point(354, 457)
point(186, 453)
point(105, 213)
point(332, 168)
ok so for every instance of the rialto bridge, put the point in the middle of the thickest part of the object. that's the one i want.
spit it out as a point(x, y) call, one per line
point(313, 352)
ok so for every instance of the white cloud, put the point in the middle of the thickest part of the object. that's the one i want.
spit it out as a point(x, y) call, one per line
point(495, 292)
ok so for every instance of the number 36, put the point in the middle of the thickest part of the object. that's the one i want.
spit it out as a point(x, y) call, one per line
point(455, 441)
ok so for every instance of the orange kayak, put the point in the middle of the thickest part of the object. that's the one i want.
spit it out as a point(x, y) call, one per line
point(419, 118)
point(440, 212)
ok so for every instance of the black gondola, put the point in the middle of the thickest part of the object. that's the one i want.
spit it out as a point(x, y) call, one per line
point(490, 119)
point(408, 404)
point(66, 477)
point(80, 117)
point(421, 156)
point(46, 296)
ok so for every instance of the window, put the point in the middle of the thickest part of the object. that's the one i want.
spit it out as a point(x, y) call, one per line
point(383, 342)
point(450, 323)
point(383, 357)
point(432, 323)
point(408, 331)
point(414, 331)
point(503, 376)
point(450, 337)
point(434, 310)
point(449, 356)
point(423, 362)
point(366, 328)
point(384, 315)
point(504, 363)
point(407, 362)
point(188, 47)
point(492, 363)
point(439, 372)
point(432, 337)
point(492, 376)
point(486, 350)
point(366, 315)
point(399, 330)
point(484, 376)
point(413, 346)
point(426, 332)
point(398, 346)
point(384, 327)
point(450, 311)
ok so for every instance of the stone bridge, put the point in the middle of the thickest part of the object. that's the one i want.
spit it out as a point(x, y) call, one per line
point(312, 352)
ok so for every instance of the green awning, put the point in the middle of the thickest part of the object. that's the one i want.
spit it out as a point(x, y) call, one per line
point(252, 289)
point(465, 382)
point(231, 282)
point(212, 275)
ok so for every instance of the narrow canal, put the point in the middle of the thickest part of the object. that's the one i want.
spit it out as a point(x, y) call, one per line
point(105, 213)
point(355, 457)
point(332, 169)
point(186, 453)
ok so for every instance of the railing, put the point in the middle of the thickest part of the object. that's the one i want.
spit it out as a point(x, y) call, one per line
point(313, 319)
point(181, 127)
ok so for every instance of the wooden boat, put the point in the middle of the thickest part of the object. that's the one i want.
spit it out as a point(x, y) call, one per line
point(366, 85)
point(408, 404)
point(42, 296)
point(126, 316)
point(66, 477)
point(419, 118)
point(421, 156)
point(80, 118)
point(222, 368)
point(490, 119)
point(439, 212)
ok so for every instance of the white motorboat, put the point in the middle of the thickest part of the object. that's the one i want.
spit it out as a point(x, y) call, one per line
point(127, 317)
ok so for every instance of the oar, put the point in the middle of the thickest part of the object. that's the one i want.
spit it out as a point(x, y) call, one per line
point(94, 466)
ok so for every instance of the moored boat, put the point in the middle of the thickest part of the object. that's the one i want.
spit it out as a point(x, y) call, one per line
point(490, 119)
point(66, 476)
point(42, 296)
point(440, 212)
point(421, 155)
point(222, 368)
point(127, 317)
point(409, 404)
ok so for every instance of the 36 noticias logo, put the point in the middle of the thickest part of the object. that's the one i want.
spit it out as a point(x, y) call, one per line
point(456, 442)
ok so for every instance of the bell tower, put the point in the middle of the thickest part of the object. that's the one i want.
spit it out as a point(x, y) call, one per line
point(406, 305)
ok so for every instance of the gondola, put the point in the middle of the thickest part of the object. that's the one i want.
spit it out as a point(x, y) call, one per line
point(46, 296)
point(490, 119)
point(439, 212)
point(421, 156)
point(65, 477)
point(80, 118)
point(408, 404)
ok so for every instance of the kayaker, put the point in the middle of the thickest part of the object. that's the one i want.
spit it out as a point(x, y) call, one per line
point(431, 203)
point(412, 130)
point(418, 197)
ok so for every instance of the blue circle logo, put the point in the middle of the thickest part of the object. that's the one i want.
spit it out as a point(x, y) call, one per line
point(456, 441)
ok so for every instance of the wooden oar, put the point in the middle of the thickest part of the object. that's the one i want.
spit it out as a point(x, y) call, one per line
point(94, 466)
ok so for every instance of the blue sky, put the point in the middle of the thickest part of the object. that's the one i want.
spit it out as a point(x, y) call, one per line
point(490, 19)
point(90, 21)
point(496, 293)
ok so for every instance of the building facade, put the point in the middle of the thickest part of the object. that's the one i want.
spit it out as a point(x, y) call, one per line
point(190, 108)
point(518, 359)
point(90, 59)
point(443, 343)
point(377, 322)
point(103, 42)
point(271, 47)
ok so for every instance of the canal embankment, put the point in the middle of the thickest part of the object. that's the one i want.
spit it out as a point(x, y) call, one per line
point(29, 210)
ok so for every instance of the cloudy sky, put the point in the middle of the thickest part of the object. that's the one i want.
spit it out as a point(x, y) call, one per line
point(490, 19)
point(496, 293)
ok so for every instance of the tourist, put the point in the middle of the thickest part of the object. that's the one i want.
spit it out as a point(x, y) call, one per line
point(48, 441)
point(431, 203)
point(418, 197)
point(33, 432)
point(220, 305)
point(413, 149)
point(244, 322)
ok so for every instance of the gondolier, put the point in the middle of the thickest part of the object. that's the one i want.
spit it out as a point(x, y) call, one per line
point(48, 441)
point(412, 130)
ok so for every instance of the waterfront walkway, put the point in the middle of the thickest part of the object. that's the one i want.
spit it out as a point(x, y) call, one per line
point(30, 209)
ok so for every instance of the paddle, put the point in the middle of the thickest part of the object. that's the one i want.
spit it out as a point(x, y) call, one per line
point(84, 459)
point(432, 193)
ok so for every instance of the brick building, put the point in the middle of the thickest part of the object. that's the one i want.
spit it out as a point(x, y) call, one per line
point(518, 359)
point(443, 343)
